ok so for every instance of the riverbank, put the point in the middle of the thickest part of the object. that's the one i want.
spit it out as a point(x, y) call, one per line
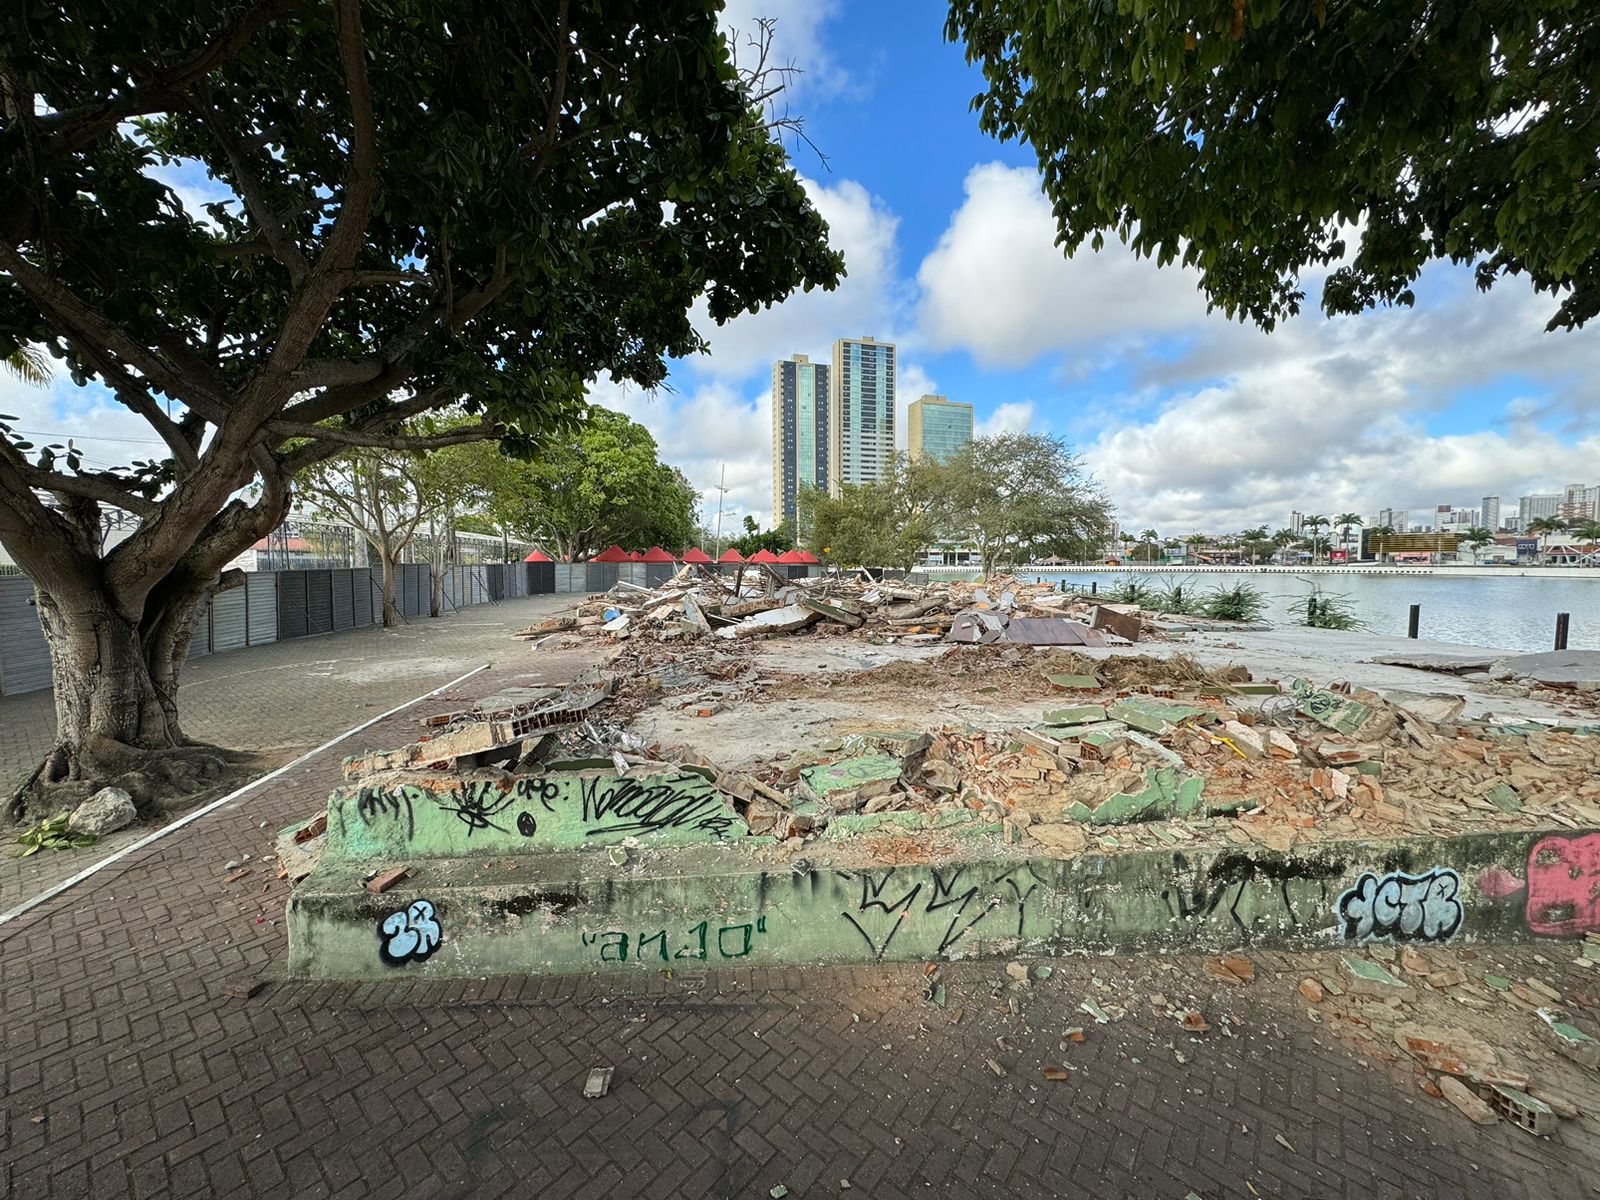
point(1370, 569)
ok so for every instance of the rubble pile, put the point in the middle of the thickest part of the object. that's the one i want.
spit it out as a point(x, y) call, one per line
point(697, 602)
point(1202, 757)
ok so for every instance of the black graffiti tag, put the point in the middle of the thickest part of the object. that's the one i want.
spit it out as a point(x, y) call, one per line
point(614, 805)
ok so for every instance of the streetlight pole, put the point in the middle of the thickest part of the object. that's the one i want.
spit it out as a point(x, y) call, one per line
point(722, 490)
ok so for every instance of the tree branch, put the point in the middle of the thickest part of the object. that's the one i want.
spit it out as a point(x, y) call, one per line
point(382, 441)
point(88, 327)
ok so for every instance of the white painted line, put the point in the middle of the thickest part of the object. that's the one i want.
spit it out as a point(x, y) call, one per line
point(50, 893)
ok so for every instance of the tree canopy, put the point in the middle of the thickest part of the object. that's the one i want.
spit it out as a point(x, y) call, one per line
point(1259, 141)
point(425, 205)
point(601, 484)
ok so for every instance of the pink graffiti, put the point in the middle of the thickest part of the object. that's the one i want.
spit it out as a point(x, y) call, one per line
point(1564, 885)
point(1496, 883)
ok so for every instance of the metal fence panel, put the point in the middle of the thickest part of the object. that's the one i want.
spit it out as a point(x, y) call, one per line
point(562, 575)
point(415, 591)
point(480, 585)
point(228, 629)
point(344, 613)
point(544, 578)
point(364, 594)
point(24, 654)
point(291, 604)
point(319, 601)
point(599, 577)
point(261, 607)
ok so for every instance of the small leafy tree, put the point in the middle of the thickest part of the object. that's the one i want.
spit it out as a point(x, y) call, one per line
point(1012, 495)
point(385, 495)
point(1476, 538)
point(885, 523)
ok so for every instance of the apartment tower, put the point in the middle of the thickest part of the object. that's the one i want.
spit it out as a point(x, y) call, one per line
point(939, 427)
point(860, 411)
point(800, 443)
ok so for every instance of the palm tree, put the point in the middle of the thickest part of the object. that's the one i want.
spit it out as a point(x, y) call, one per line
point(1477, 537)
point(1589, 531)
point(1314, 522)
point(1147, 544)
point(1345, 522)
point(1282, 540)
point(29, 364)
point(1543, 527)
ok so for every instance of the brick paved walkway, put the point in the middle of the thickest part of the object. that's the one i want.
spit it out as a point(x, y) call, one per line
point(128, 1068)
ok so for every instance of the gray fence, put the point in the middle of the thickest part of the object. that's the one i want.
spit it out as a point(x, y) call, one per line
point(274, 606)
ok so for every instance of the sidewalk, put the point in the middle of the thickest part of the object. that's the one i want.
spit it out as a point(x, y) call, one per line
point(134, 1066)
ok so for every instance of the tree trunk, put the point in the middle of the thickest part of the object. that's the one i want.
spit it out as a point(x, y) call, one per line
point(436, 602)
point(115, 683)
point(391, 610)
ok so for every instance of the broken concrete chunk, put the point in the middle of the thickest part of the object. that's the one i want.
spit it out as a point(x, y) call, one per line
point(1465, 1099)
point(1153, 715)
point(1366, 978)
point(1122, 620)
point(852, 779)
point(1245, 739)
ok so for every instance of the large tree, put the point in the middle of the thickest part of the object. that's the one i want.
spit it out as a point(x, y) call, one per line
point(599, 484)
point(1256, 141)
point(427, 205)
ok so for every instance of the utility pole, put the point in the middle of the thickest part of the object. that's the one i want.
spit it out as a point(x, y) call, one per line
point(722, 490)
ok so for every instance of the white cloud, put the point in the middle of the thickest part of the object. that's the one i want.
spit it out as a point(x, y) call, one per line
point(701, 433)
point(796, 42)
point(1014, 416)
point(999, 287)
point(1331, 416)
point(866, 302)
point(107, 433)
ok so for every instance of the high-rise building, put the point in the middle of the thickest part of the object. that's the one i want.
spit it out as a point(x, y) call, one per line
point(799, 432)
point(1579, 502)
point(939, 427)
point(1296, 521)
point(1394, 518)
point(1531, 508)
point(1490, 508)
point(860, 411)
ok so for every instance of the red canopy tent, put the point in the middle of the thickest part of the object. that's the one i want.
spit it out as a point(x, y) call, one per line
point(612, 554)
point(810, 559)
point(635, 556)
point(791, 558)
point(763, 556)
point(657, 555)
point(537, 556)
point(730, 555)
point(696, 555)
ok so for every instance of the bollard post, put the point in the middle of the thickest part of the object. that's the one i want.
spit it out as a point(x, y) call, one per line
point(1562, 620)
point(1094, 587)
point(1415, 620)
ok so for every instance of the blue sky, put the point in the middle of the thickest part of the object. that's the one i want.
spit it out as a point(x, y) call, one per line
point(1189, 421)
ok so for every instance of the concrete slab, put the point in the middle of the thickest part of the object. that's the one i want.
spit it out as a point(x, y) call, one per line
point(974, 896)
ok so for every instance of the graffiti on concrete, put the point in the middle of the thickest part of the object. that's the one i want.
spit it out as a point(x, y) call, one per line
point(1404, 907)
point(478, 804)
point(1564, 885)
point(702, 942)
point(626, 804)
point(938, 912)
point(503, 815)
point(1247, 891)
point(410, 934)
point(386, 804)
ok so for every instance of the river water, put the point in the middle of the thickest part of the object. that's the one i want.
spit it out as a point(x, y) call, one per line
point(1517, 612)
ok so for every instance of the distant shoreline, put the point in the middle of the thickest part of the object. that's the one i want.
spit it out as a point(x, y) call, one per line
point(1378, 569)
